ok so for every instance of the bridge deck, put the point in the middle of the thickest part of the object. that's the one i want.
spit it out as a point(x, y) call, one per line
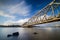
point(44, 21)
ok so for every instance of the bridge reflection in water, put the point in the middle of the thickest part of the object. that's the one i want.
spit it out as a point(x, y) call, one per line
point(47, 33)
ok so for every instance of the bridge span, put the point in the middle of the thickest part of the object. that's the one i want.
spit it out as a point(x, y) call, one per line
point(50, 13)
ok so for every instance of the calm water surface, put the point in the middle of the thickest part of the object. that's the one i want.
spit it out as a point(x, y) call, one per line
point(28, 33)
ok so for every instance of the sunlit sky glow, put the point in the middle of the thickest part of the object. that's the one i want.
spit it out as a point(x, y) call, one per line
point(19, 11)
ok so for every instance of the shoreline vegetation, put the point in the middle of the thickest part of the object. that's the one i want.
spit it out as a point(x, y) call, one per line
point(21, 26)
point(10, 26)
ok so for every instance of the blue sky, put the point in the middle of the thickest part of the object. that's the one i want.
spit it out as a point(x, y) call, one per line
point(19, 11)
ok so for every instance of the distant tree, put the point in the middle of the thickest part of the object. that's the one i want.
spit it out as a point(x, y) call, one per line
point(59, 15)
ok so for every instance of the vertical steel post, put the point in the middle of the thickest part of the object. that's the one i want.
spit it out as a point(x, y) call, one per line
point(52, 11)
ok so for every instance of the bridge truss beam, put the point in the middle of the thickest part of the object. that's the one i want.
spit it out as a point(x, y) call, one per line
point(45, 15)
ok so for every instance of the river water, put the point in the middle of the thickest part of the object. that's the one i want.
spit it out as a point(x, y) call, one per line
point(28, 33)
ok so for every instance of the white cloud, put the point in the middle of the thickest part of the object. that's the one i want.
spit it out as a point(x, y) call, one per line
point(2, 13)
point(22, 21)
point(19, 22)
point(20, 8)
point(44, 18)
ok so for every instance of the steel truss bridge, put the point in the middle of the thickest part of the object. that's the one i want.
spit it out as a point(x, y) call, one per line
point(50, 13)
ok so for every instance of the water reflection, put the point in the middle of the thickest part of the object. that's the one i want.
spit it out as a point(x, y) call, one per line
point(28, 33)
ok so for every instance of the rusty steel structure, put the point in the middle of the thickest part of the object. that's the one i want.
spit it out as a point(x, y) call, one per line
point(49, 13)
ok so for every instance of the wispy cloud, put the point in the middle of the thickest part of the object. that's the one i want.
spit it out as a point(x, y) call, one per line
point(20, 8)
point(19, 22)
point(2, 13)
